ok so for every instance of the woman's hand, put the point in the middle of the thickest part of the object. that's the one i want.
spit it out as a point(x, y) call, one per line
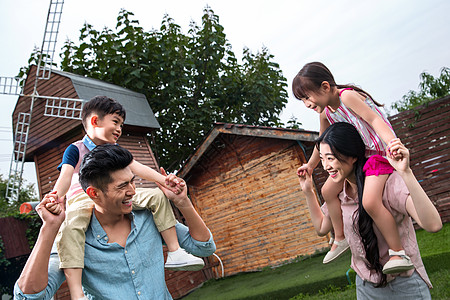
point(305, 178)
point(304, 169)
point(398, 156)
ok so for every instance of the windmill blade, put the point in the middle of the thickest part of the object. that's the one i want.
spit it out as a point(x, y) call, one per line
point(50, 37)
point(67, 108)
point(10, 86)
point(18, 157)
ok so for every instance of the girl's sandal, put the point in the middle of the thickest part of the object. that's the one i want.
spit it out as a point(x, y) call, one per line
point(398, 265)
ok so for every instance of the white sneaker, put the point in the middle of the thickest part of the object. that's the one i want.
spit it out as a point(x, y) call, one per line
point(398, 265)
point(180, 260)
point(342, 247)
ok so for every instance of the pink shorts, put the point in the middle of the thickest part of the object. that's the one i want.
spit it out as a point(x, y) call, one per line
point(377, 165)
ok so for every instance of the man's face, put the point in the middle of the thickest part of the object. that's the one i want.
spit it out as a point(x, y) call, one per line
point(116, 199)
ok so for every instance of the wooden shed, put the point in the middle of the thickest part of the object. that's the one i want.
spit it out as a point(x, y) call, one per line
point(242, 180)
point(49, 136)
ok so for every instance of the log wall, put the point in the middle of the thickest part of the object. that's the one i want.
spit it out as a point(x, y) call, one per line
point(247, 191)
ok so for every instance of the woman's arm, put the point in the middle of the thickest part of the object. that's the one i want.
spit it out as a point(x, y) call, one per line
point(321, 223)
point(418, 205)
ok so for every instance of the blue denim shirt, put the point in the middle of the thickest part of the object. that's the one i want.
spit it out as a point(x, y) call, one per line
point(114, 272)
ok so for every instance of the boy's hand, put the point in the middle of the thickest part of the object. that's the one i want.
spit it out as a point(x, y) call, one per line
point(173, 183)
point(50, 211)
point(179, 199)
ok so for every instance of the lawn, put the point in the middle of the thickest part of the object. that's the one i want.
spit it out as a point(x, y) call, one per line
point(310, 279)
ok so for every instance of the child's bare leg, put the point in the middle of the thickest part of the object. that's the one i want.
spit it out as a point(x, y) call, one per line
point(73, 278)
point(330, 192)
point(373, 204)
point(170, 237)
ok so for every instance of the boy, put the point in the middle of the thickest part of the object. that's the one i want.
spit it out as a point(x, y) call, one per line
point(102, 120)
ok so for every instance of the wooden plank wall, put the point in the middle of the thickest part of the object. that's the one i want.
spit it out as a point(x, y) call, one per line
point(425, 132)
point(247, 191)
point(13, 234)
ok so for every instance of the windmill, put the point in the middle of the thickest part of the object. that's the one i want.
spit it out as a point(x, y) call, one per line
point(69, 108)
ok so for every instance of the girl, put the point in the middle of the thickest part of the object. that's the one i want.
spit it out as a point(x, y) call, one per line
point(342, 153)
point(315, 86)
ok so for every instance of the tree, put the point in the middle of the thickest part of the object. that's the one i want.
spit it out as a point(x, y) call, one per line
point(431, 88)
point(190, 80)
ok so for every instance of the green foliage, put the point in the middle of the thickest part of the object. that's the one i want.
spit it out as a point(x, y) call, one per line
point(27, 194)
point(190, 80)
point(431, 88)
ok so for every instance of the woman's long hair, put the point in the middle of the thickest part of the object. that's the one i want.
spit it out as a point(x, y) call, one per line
point(345, 141)
point(311, 76)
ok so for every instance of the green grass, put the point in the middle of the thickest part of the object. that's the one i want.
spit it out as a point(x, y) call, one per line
point(310, 279)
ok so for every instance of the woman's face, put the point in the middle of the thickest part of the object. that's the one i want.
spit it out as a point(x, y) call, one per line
point(339, 170)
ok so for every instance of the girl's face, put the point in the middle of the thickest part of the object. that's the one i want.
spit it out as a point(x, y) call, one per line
point(339, 170)
point(319, 99)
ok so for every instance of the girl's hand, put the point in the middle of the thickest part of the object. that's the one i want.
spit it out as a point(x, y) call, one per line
point(392, 152)
point(304, 169)
point(398, 155)
point(305, 180)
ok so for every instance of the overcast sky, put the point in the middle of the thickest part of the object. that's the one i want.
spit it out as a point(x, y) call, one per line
point(381, 46)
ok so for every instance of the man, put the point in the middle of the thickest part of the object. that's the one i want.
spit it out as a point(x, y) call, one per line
point(123, 251)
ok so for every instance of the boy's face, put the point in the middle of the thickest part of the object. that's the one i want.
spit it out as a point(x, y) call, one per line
point(107, 130)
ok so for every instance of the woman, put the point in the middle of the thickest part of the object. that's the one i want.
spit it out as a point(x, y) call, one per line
point(342, 155)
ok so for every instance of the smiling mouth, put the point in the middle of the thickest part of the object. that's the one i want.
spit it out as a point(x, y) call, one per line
point(127, 202)
point(332, 173)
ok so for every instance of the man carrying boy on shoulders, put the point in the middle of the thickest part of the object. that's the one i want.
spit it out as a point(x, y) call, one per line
point(118, 240)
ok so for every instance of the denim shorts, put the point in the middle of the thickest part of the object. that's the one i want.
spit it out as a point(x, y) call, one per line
point(412, 287)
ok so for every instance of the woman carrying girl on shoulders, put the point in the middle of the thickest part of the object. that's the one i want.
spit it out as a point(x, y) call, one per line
point(316, 87)
point(342, 153)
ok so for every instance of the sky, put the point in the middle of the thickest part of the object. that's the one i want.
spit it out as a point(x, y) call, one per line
point(381, 46)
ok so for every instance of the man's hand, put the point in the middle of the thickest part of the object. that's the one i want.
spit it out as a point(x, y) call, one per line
point(173, 183)
point(50, 210)
point(179, 199)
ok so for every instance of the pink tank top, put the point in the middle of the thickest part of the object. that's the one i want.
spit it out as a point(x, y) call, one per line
point(75, 187)
point(374, 144)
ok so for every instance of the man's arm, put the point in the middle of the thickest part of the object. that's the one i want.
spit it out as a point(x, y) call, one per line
point(34, 277)
point(196, 229)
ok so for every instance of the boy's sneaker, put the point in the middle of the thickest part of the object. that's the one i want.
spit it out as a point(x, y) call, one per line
point(398, 265)
point(342, 247)
point(180, 260)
